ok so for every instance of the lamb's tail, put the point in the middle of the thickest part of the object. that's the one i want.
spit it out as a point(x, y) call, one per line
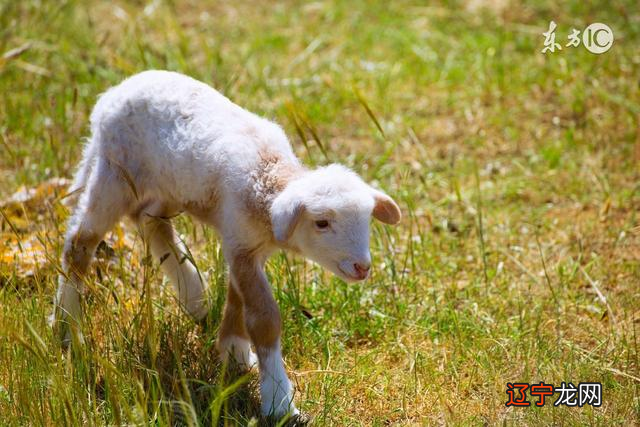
point(89, 156)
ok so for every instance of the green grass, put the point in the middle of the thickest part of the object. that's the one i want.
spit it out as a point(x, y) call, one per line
point(517, 173)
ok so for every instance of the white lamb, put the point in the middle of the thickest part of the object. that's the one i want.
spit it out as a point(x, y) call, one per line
point(163, 143)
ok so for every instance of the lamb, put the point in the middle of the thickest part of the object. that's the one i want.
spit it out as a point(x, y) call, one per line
point(163, 143)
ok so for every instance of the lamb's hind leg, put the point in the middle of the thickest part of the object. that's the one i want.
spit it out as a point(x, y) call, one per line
point(175, 262)
point(103, 202)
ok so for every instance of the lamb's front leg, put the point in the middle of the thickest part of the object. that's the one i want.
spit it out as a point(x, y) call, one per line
point(233, 338)
point(262, 319)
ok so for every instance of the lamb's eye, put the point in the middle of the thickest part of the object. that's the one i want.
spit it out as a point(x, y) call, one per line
point(322, 224)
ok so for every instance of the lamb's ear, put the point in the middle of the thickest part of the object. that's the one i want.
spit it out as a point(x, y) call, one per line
point(285, 214)
point(385, 208)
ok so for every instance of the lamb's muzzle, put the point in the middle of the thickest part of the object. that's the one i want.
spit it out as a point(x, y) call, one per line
point(163, 143)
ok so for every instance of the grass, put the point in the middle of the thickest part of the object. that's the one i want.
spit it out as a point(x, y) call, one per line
point(518, 258)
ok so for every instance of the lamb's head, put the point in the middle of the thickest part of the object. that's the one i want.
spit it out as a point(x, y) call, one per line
point(325, 214)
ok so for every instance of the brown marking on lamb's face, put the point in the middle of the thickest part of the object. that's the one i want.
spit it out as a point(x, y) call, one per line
point(270, 176)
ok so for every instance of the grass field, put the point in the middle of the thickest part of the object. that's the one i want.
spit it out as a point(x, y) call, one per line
point(518, 258)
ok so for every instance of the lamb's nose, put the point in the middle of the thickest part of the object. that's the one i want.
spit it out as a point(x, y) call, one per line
point(361, 269)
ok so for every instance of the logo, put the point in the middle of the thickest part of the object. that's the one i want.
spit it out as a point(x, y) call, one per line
point(569, 394)
point(597, 38)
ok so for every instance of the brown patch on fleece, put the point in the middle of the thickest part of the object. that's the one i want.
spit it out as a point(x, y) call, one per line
point(233, 318)
point(270, 176)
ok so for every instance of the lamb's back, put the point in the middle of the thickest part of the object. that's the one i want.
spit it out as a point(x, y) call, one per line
point(171, 131)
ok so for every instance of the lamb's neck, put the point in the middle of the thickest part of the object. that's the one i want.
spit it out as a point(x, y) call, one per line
point(270, 177)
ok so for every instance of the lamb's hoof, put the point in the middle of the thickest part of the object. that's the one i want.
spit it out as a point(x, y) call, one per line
point(249, 361)
point(238, 351)
point(298, 419)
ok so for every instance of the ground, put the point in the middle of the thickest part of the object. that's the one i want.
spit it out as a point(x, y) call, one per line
point(518, 258)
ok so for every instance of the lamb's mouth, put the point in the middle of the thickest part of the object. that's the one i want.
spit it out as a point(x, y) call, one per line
point(349, 276)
